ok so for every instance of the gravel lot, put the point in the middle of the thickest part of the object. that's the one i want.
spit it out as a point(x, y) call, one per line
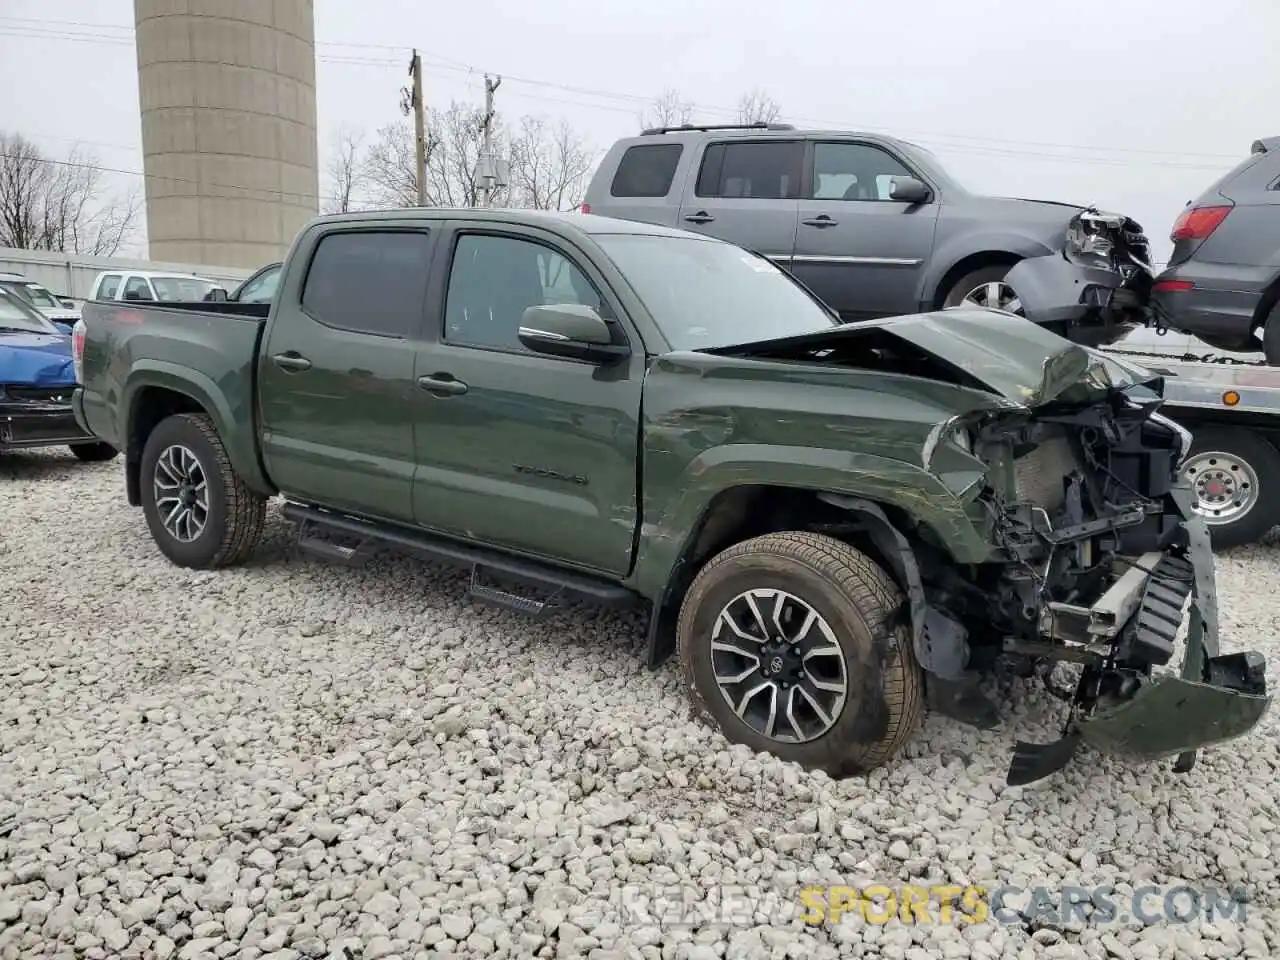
point(299, 760)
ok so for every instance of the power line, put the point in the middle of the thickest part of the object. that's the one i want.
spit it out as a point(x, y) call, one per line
point(958, 142)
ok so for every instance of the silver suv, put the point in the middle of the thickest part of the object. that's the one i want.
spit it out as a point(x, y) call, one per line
point(874, 225)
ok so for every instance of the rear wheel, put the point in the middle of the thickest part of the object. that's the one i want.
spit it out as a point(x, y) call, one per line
point(1271, 336)
point(93, 452)
point(1235, 477)
point(788, 643)
point(985, 287)
point(201, 514)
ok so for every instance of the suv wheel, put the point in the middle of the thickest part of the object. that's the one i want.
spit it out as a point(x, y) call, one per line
point(93, 452)
point(1271, 336)
point(786, 643)
point(1231, 472)
point(984, 287)
point(201, 514)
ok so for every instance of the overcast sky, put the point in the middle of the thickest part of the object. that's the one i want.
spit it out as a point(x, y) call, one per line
point(1133, 105)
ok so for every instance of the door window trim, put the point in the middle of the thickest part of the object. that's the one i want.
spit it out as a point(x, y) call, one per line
point(617, 323)
point(811, 157)
point(415, 328)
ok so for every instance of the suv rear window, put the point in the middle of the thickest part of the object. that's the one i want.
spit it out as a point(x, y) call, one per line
point(767, 170)
point(646, 170)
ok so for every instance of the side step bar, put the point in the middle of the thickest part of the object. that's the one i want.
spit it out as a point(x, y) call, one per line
point(562, 584)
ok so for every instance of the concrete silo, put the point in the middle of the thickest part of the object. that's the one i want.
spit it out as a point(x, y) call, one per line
point(228, 96)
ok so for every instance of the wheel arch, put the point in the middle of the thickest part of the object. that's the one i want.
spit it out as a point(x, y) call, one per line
point(742, 512)
point(968, 264)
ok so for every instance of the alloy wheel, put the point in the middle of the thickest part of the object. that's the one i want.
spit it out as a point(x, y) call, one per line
point(995, 294)
point(778, 665)
point(1226, 487)
point(181, 493)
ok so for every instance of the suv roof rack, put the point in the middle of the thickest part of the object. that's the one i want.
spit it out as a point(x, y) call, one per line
point(758, 125)
point(1265, 145)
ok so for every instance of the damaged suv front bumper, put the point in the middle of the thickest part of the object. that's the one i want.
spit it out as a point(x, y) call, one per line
point(1217, 697)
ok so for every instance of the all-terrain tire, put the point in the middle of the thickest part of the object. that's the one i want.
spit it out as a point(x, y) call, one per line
point(233, 524)
point(1244, 453)
point(859, 601)
point(974, 279)
point(93, 452)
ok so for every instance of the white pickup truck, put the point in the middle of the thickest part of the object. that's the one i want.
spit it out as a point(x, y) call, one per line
point(152, 285)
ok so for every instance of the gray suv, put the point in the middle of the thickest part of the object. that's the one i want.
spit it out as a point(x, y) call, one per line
point(1222, 283)
point(873, 225)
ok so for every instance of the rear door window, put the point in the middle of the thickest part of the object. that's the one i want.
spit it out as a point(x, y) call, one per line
point(137, 288)
point(763, 170)
point(369, 281)
point(110, 284)
point(646, 170)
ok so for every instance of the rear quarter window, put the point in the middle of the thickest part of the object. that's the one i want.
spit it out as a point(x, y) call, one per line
point(646, 170)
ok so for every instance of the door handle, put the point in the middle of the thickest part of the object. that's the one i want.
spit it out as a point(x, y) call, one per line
point(700, 217)
point(822, 220)
point(291, 361)
point(442, 385)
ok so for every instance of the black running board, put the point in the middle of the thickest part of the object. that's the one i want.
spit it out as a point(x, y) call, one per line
point(561, 584)
point(1035, 761)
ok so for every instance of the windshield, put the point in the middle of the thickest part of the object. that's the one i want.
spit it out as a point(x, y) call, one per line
point(705, 293)
point(17, 316)
point(33, 293)
point(181, 288)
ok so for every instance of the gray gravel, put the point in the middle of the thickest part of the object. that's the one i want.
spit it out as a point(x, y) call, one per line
point(296, 760)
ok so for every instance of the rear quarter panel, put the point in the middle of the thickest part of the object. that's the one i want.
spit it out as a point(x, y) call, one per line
point(207, 357)
point(712, 423)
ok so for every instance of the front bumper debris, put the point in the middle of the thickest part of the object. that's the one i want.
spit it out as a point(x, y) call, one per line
point(1216, 698)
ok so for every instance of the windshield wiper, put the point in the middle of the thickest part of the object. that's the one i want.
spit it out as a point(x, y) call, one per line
point(20, 330)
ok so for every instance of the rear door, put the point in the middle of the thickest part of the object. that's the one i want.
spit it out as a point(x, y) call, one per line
point(747, 192)
point(518, 450)
point(861, 252)
point(335, 379)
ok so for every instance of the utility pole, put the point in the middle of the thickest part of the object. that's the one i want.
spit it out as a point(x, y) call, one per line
point(411, 100)
point(488, 163)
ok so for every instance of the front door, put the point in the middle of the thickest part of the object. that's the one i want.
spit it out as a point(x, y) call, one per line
point(336, 380)
point(861, 252)
point(747, 192)
point(532, 453)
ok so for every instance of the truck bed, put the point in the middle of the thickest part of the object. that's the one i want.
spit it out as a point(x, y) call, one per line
point(209, 348)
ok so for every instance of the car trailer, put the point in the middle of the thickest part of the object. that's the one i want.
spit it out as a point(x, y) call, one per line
point(1231, 405)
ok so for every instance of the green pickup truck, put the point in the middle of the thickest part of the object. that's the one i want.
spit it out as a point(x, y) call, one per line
point(833, 525)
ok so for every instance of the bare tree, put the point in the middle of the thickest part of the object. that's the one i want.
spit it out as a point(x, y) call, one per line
point(669, 109)
point(756, 106)
point(344, 171)
point(550, 165)
point(454, 143)
point(58, 205)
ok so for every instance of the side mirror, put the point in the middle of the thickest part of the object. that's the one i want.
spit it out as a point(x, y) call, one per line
point(133, 295)
point(217, 295)
point(569, 330)
point(909, 190)
point(69, 304)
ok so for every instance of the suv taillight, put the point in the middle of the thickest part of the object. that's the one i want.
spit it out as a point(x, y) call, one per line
point(585, 208)
point(77, 349)
point(1197, 223)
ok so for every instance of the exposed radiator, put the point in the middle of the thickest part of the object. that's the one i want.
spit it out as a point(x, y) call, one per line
point(1039, 475)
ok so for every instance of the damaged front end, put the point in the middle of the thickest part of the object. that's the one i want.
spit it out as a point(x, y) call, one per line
point(1097, 288)
point(1101, 555)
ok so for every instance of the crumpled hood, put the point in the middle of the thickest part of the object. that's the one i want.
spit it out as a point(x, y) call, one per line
point(986, 349)
point(36, 359)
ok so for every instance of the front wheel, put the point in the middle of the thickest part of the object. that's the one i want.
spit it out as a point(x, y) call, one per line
point(788, 642)
point(985, 287)
point(201, 514)
point(93, 452)
point(1234, 476)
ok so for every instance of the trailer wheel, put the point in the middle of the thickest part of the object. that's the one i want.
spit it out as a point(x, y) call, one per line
point(1235, 476)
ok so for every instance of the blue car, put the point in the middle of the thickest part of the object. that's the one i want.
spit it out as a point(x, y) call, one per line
point(37, 378)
